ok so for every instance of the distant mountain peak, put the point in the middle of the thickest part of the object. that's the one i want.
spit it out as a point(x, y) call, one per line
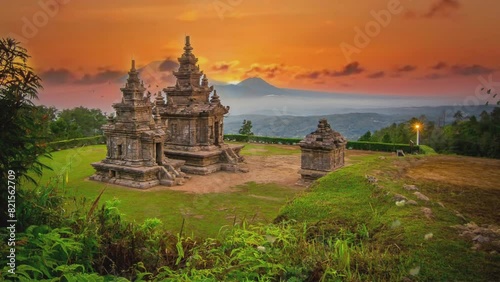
point(257, 82)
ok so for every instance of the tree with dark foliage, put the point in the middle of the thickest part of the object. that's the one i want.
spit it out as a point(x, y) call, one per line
point(77, 122)
point(246, 128)
point(365, 137)
point(466, 135)
point(21, 134)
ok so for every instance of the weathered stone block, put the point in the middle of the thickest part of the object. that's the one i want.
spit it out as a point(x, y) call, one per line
point(322, 151)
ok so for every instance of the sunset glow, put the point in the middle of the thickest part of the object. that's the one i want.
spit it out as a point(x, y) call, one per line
point(418, 48)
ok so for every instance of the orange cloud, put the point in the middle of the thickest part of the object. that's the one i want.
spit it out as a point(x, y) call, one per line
point(224, 66)
point(349, 69)
point(267, 71)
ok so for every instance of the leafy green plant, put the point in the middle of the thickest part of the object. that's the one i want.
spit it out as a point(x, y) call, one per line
point(424, 149)
point(22, 139)
point(42, 205)
point(44, 251)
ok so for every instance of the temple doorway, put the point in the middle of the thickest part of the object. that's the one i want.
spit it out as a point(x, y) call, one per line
point(159, 154)
point(216, 129)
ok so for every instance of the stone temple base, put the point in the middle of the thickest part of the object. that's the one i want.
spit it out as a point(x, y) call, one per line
point(311, 175)
point(206, 162)
point(139, 177)
point(201, 170)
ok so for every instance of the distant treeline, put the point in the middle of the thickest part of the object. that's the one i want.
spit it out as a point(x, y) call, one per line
point(69, 124)
point(467, 135)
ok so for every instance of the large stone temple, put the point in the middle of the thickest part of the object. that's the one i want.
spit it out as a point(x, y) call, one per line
point(135, 143)
point(195, 121)
point(322, 152)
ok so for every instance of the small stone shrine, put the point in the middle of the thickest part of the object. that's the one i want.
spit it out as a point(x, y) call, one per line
point(322, 152)
point(195, 121)
point(135, 141)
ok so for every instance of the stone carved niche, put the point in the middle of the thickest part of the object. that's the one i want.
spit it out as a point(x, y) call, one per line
point(323, 151)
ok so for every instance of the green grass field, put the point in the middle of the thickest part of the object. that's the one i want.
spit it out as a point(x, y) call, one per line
point(253, 149)
point(377, 239)
point(204, 214)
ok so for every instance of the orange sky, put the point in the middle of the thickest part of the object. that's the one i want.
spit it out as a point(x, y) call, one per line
point(292, 44)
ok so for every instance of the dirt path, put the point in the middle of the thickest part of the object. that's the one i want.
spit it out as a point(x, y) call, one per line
point(279, 169)
point(282, 170)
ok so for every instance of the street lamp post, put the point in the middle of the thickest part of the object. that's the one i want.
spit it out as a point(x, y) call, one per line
point(418, 133)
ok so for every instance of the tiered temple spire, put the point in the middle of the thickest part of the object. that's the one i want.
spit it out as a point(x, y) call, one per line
point(215, 98)
point(187, 46)
point(195, 121)
point(134, 87)
point(191, 83)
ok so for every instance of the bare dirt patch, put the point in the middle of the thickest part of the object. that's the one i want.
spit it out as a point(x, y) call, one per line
point(469, 185)
point(459, 171)
point(255, 150)
point(279, 169)
point(282, 170)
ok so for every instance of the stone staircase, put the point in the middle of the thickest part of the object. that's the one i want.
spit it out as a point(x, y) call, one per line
point(170, 176)
point(233, 162)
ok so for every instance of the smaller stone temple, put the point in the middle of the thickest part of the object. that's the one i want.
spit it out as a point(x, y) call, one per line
point(322, 152)
point(135, 141)
point(194, 116)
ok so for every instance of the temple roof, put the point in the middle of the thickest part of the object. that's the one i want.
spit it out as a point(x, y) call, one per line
point(133, 81)
point(187, 46)
point(187, 61)
point(324, 137)
point(191, 86)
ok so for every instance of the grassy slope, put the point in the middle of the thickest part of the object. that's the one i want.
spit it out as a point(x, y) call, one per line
point(346, 200)
point(204, 214)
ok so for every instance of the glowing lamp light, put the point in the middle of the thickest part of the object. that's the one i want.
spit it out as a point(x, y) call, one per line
point(417, 126)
